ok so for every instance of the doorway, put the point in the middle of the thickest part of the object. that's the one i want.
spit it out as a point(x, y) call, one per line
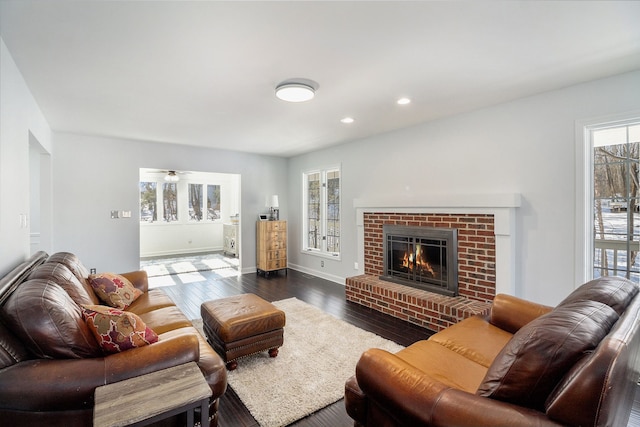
point(40, 199)
point(189, 222)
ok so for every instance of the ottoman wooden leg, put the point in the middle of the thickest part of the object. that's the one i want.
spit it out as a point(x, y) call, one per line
point(232, 365)
point(273, 352)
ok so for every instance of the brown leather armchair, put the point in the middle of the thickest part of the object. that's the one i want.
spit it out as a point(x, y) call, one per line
point(522, 365)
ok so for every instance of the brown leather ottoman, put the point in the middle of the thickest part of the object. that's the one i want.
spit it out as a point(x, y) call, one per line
point(242, 325)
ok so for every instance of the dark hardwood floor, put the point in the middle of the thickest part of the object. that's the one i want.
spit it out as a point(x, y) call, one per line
point(189, 291)
point(328, 296)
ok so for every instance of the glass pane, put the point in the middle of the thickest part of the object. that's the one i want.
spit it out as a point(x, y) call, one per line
point(213, 202)
point(615, 173)
point(148, 200)
point(195, 202)
point(170, 201)
point(314, 238)
point(333, 211)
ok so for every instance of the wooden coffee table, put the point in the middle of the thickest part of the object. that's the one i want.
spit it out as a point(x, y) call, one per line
point(149, 398)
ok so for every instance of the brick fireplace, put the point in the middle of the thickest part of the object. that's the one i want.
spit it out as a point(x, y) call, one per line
point(485, 256)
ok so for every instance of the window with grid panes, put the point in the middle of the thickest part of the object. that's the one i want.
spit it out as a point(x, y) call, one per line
point(321, 210)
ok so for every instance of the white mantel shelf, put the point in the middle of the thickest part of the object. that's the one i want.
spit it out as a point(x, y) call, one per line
point(500, 200)
point(502, 206)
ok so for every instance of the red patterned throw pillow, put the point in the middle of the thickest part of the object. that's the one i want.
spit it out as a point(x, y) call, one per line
point(117, 330)
point(114, 290)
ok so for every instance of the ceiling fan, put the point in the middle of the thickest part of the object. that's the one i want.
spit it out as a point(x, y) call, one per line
point(171, 175)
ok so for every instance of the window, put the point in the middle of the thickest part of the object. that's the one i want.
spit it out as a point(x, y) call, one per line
point(170, 200)
point(213, 202)
point(321, 211)
point(178, 202)
point(195, 202)
point(148, 202)
point(616, 216)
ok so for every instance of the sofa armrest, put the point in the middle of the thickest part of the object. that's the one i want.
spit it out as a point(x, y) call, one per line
point(69, 384)
point(414, 398)
point(511, 313)
point(138, 279)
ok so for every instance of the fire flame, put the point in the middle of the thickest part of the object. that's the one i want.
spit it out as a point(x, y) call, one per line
point(415, 261)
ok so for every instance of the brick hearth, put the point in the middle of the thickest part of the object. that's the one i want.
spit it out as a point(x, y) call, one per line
point(476, 271)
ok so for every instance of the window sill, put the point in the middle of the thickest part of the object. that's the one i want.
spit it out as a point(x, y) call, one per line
point(336, 257)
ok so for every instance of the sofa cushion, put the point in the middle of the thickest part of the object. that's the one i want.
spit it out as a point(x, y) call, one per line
point(616, 292)
point(474, 338)
point(117, 330)
point(444, 365)
point(60, 274)
point(48, 322)
point(114, 290)
point(541, 352)
point(72, 262)
point(151, 300)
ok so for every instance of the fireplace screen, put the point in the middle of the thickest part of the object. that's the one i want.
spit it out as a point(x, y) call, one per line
point(421, 257)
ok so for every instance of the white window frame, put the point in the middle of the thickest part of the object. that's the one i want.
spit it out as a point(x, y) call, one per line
point(322, 252)
point(584, 245)
point(182, 187)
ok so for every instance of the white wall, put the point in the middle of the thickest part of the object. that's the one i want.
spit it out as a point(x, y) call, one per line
point(526, 146)
point(20, 120)
point(93, 176)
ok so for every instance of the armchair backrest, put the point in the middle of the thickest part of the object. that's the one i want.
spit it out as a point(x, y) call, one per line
point(599, 390)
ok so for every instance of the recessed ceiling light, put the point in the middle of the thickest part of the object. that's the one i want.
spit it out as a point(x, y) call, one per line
point(347, 120)
point(404, 101)
point(296, 90)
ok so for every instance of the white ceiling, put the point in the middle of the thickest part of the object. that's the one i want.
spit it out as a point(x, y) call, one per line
point(203, 72)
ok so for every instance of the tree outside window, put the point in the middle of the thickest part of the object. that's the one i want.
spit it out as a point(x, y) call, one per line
point(213, 202)
point(148, 202)
point(198, 202)
point(170, 201)
point(314, 233)
point(333, 211)
point(195, 202)
point(616, 168)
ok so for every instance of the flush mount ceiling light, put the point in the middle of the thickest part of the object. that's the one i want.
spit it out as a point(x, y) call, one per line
point(347, 120)
point(298, 90)
point(403, 101)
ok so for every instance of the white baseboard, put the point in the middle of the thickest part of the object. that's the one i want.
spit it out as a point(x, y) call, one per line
point(330, 277)
point(318, 273)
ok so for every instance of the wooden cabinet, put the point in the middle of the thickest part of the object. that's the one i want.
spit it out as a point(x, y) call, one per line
point(230, 239)
point(271, 246)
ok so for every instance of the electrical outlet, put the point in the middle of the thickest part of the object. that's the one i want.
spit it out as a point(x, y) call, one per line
point(355, 265)
point(321, 263)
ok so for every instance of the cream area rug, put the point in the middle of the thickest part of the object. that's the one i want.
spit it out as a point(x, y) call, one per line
point(319, 354)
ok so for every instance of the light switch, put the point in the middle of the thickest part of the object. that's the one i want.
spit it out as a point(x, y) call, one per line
point(126, 214)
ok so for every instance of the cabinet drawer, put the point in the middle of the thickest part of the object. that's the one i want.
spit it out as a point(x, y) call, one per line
point(280, 236)
point(275, 226)
point(274, 244)
point(273, 255)
point(276, 264)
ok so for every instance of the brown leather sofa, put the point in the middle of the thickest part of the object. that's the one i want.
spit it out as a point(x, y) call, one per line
point(49, 368)
point(524, 364)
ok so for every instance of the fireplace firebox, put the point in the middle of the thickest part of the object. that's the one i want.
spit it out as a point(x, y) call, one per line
point(425, 258)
